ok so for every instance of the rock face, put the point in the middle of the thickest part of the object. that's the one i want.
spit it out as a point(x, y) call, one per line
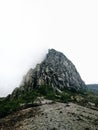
point(56, 70)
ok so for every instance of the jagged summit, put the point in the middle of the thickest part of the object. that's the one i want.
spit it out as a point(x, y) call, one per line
point(56, 71)
point(54, 56)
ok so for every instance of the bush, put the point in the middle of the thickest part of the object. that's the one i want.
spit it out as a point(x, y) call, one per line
point(65, 97)
point(6, 107)
point(96, 102)
point(10, 105)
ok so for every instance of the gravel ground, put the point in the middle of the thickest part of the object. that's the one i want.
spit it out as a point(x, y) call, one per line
point(54, 116)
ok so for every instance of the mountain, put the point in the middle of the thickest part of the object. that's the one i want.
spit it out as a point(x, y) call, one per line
point(93, 88)
point(56, 71)
point(50, 97)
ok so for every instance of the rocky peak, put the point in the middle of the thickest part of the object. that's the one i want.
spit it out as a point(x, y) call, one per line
point(54, 56)
point(56, 71)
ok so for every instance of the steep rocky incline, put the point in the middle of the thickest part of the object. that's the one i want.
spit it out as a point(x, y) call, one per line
point(56, 70)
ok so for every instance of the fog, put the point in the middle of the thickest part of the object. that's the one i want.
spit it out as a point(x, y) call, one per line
point(28, 28)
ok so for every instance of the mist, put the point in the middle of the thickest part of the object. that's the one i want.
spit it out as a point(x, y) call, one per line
point(29, 28)
point(15, 65)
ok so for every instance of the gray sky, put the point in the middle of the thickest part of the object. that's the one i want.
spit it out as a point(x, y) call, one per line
point(29, 27)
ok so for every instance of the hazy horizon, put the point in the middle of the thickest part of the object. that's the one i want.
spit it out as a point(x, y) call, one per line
point(29, 28)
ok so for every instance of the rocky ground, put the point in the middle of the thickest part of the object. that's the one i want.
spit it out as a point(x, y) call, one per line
point(52, 116)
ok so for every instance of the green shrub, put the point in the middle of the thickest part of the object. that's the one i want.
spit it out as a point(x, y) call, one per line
point(6, 107)
point(96, 102)
point(10, 105)
point(65, 97)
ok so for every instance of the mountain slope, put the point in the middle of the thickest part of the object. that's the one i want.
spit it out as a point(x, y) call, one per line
point(55, 116)
point(56, 71)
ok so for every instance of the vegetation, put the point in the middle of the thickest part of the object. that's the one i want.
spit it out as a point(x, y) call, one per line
point(6, 107)
point(93, 88)
point(26, 99)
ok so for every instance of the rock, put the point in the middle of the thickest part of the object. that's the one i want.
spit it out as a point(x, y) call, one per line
point(42, 101)
point(56, 71)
